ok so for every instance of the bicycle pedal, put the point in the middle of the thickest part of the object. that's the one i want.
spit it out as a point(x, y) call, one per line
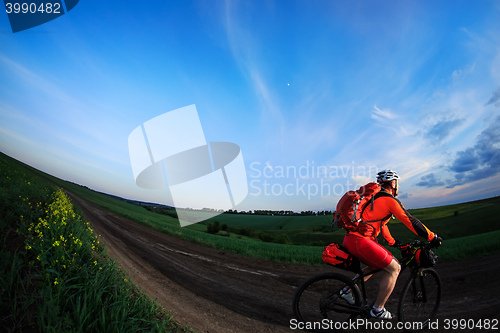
point(365, 310)
point(368, 306)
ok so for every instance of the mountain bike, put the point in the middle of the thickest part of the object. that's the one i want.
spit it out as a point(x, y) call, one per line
point(321, 297)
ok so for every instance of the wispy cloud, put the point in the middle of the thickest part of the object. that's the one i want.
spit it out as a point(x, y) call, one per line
point(382, 115)
point(245, 51)
point(387, 118)
point(34, 80)
point(460, 74)
point(56, 116)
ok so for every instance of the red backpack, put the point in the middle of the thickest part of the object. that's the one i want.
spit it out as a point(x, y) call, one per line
point(351, 207)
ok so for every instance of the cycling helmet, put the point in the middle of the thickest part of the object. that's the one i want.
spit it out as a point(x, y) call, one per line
point(386, 176)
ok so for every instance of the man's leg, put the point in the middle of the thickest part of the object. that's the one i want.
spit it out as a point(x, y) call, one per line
point(387, 283)
point(366, 270)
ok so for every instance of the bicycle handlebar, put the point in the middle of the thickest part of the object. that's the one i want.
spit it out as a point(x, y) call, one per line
point(412, 244)
point(415, 243)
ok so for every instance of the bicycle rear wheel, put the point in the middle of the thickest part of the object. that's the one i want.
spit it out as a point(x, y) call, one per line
point(319, 298)
point(420, 299)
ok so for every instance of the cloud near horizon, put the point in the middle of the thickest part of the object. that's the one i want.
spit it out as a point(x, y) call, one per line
point(473, 163)
point(480, 161)
point(430, 180)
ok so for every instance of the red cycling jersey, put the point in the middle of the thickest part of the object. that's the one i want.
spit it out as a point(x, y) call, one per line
point(378, 214)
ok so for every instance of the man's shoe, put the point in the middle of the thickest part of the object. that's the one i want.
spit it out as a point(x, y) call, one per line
point(347, 296)
point(382, 314)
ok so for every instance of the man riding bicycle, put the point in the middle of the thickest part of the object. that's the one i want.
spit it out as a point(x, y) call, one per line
point(363, 244)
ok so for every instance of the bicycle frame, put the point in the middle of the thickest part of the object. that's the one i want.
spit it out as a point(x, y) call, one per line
point(360, 277)
point(408, 261)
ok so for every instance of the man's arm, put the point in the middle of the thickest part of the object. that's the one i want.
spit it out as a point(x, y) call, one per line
point(411, 222)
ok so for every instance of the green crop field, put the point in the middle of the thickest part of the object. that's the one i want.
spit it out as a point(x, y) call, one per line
point(453, 221)
point(303, 237)
point(267, 222)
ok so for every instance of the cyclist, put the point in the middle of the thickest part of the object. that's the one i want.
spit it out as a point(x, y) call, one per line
point(363, 244)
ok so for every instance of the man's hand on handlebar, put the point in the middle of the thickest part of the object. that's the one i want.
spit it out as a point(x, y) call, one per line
point(437, 241)
point(397, 244)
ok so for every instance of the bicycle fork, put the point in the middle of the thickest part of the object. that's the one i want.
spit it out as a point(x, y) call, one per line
point(418, 288)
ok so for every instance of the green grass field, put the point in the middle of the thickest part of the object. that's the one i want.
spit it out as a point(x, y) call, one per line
point(55, 276)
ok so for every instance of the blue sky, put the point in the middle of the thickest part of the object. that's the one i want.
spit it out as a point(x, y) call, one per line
point(319, 95)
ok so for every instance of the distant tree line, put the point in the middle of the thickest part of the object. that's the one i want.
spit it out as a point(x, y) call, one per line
point(280, 212)
point(170, 211)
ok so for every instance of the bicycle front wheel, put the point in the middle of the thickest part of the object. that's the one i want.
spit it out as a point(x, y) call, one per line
point(323, 297)
point(420, 299)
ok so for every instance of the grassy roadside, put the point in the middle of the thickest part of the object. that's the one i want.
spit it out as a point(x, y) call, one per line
point(54, 274)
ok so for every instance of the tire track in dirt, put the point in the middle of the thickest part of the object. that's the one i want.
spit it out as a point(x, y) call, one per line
point(214, 291)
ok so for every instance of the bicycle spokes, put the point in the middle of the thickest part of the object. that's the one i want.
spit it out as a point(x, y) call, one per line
point(321, 298)
point(419, 293)
point(420, 299)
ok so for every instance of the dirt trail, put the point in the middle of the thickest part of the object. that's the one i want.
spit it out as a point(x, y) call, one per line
point(214, 291)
